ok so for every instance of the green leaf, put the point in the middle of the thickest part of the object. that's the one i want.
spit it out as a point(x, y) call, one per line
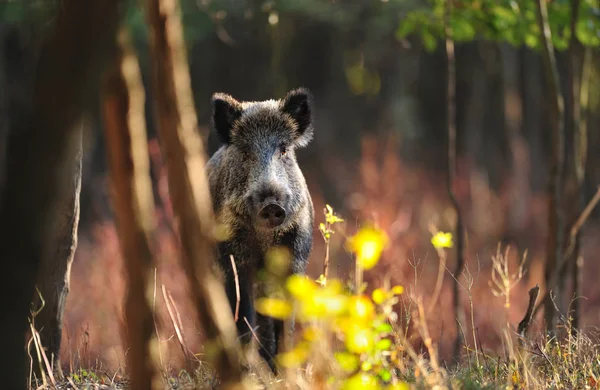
point(383, 345)
point(384, 328)
point(588, 31)
point(429, 41)
point(504, 17)
point(462, 30)
point(405, 28)
point(385, 375)
point(532, 40)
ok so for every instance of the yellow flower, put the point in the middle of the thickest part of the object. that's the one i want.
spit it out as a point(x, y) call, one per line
point(361, 381)
point(379, 296)
point(347, 361)
point(274, 307)
point(442, 240)
point(367, 244)
point(312, 333)
point(328, 301)
point(295, 357)
point(323, 306)
point(361, 308)
point(300, 286)
point(330, 217)
point(397, 290)
point(359, 340)
point(322, 280)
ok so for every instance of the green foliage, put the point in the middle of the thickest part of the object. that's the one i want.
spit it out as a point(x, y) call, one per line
point(33, 12)
point(508, 21)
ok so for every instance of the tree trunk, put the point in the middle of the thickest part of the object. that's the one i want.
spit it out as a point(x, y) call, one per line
point(451, 174)
point(55, 267)
point(127, 149)
point(188, 185)
point(554, 252)
point(38, 166)
point(577, 130)
point(520, 198)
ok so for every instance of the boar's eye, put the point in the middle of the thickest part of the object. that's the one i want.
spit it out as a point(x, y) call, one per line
point(283, 150)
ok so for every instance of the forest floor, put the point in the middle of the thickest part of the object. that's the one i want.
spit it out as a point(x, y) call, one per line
point(573, 363)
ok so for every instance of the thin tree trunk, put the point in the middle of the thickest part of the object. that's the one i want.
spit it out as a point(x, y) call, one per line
point(520, 164)
point(38, 166)
point(129, 162)
point(555, 216)
point(578, 80)
point(451, 125)
point(188, 185)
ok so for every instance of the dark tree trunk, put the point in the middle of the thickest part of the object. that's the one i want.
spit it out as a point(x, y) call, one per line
point(577, 133)
point(38, 171)
point(55, 267)
point(554, 252)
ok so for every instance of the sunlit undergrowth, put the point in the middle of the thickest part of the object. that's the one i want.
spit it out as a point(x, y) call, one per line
point(352, 337)
point(357, 335)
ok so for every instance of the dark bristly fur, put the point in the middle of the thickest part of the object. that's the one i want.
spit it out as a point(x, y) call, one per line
point(255, 165)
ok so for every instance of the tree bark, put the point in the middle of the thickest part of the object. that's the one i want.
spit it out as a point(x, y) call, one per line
point(188, 185)
point(129, 162)
point(576, 94)
point(38, 166)
point(451, 126)
point(555, 215)
point(55, 268)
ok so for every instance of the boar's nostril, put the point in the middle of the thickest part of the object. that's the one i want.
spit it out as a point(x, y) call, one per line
point(271, 216)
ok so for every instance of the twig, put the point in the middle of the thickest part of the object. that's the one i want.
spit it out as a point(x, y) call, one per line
point(72, 383)
point(544, 355)
point(237, 289)
point(45, 357)
point(176, 326)
point(526, 321)
point(442, 254)
point(160, 359)
point(254, 335)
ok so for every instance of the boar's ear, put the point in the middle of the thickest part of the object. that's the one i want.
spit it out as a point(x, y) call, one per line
point(225, 111)
point(299, 105)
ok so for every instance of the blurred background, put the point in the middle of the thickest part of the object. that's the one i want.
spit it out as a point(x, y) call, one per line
point(379, 152)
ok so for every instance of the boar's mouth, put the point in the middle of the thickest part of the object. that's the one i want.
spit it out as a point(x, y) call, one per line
point(271, 216)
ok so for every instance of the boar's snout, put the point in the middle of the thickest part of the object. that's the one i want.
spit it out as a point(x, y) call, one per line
point(271, 216)
point(270, 204)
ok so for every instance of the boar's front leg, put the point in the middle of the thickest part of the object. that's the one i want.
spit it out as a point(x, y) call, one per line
point(271, 331)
